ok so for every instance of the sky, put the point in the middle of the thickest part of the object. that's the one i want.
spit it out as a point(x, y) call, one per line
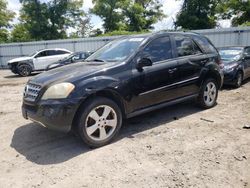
point(170, 8)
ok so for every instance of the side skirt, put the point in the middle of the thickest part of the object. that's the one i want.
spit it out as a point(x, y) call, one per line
point(161, 105)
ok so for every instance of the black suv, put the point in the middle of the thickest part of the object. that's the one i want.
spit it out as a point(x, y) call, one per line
point(125, 78)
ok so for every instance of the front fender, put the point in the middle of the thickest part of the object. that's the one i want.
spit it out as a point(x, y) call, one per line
point(92, 85)
point(102, 86)
point(28, 62)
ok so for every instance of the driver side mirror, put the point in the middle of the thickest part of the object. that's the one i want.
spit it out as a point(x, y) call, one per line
point(144, 62)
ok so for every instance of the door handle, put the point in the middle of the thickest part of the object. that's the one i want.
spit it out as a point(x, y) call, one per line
point(172, 70)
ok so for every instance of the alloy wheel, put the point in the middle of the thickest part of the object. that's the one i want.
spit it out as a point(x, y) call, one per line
point(101, 123)
point(239, 79)
point(24, 70)
point(210, 93)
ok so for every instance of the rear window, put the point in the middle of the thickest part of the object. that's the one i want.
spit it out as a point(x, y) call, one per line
point(205, 44)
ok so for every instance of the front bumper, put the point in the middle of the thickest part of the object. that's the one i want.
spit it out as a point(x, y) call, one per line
point(53, 114)
point(13, 68)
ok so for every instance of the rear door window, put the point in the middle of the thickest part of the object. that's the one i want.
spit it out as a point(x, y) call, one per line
point(159, 49)
point(185, 46)
point(52, 52)
point(60, 52)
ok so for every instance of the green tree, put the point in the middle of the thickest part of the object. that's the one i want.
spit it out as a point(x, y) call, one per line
point(238, 10)
point(50, 20)
point(196, 14)
point(20, 34)
point(142, 14)
point(65, 14)
point(83, 27)
point(96, 32)
point(34, 17)
point(5, 17)
point(110, 12)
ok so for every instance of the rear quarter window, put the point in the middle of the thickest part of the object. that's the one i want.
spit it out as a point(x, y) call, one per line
point(205, 44)
point(185, 46)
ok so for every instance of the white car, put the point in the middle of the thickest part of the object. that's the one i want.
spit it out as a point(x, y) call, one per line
point(38, 61)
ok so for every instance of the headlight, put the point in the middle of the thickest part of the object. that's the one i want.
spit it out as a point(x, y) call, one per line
point(58, 91)
point(231, 67)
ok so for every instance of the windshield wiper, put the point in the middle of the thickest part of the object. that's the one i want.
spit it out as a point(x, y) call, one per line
point(98, 60)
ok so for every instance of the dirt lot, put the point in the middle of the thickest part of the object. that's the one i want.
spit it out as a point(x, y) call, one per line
point(178, 146)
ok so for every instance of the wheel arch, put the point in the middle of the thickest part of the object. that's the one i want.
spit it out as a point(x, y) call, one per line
point(30, 63)
point(107, 93)
point(211, 74)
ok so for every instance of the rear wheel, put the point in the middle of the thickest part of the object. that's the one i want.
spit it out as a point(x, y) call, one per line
point(239, 78)
point(99, 122)
point(208, 94)
point(24, 70)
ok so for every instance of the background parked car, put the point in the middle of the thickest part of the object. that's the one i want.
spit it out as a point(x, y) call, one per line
point(73, 58)
point(38, 61)
point(236, 61)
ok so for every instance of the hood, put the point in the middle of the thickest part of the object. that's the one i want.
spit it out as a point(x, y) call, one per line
point(19, 59)
point(70, 73)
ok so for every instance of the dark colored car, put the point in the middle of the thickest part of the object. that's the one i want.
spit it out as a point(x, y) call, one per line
point(73, 58)
point(125, 78)
point(236, 62)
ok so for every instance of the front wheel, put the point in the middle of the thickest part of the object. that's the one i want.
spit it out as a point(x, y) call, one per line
point(239, 78)
point(208, 94)
point(99, 122)
point(24, 70)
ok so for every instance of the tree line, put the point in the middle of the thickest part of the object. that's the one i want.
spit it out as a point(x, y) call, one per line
point(60, 19)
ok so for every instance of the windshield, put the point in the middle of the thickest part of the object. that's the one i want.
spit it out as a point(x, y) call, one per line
point(118, 50)
point(230, 54)
point(34, 53)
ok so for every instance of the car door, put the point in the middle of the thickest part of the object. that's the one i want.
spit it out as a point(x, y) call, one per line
point(247, 61)
point(191, 60)
point(40, 60)
point(155, 84)
point(53, 56)
point(60, 54)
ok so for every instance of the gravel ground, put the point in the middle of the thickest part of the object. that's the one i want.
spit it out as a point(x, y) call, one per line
point(178, 146)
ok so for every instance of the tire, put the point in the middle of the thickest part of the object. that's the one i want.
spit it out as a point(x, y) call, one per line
point(24, 70)
point(208, 94)
point(95, 128)
point(239, 79)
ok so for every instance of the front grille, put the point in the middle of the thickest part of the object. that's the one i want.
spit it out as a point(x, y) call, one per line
point(31, 92)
